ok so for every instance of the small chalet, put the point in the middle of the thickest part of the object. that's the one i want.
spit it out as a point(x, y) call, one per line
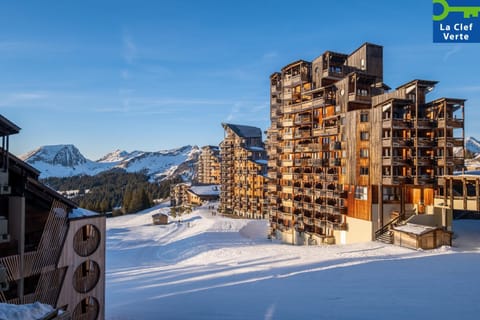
point(198, 194)
point(160, 219)
point(422, 232)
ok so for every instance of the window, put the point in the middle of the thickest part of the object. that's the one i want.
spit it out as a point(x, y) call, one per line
point(364, 135)
point(364, 117)
point(391, 194)
point(361, 193)
point(364, 171)
point(364, 153)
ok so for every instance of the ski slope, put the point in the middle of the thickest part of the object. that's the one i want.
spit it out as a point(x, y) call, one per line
point(210, 267)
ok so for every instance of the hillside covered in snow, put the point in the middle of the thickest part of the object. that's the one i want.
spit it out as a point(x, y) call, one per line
point(201, 266)
point(67, 161)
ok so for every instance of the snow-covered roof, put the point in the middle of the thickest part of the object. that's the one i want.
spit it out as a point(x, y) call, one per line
point(416, 229)
point(208, 190)
point(82, 213)
point(29, 311)
point(255, 148)
point(244, 131)
point(261, 161)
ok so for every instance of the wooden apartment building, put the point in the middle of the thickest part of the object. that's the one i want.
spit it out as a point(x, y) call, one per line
point(50, 250)
point(345, 153)
point(208, 169)
point(243, 170)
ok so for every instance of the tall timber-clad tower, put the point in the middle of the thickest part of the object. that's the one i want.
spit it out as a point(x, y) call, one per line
point(243, 169)
point(345, 155)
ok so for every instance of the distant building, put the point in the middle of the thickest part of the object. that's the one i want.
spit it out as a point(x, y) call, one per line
point(243, 169)
point(179, 194)
point(50, 250)
point(160, 219)
point(344, 153)
point(203, 193)
point(208, 168)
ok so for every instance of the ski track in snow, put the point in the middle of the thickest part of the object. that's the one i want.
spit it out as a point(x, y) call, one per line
point(211, 267)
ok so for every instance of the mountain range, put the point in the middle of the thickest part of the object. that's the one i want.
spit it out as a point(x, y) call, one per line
point(472, 145)
point(67, 161)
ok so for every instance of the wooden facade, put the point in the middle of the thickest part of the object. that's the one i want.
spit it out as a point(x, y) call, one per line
point(160, 219)
point(243, 170)
point(343, 150)
point(179, 195)
point(421, 237)
point(41, 246)
point(208, 169)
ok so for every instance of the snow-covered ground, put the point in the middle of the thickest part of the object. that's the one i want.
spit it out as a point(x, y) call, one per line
point(210, 267)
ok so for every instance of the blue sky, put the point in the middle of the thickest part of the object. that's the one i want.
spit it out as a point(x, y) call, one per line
point(152, 75)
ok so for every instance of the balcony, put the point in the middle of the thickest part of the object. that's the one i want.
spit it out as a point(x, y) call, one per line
point(394, 161)
point(390, 180)
point(335, 162)
point(308, 221)
point(287, 176)
point(287, 123)
point(318, 102)
point(275, 101)
point(450, 123)
point(298, 190)
point(303, 148)
point(423, 142)
point(396, 123)
point(331, 130)
point(449, 142)
point(337, 225)
point(287, 136)
point(286, 163)
point(303, 134)
point(303, 162)
point(424, 179)
point(331, 177)
point(287, 203)
point(275, 88)
point(333, 72)
point(424, 123)
point(423, 161)
point(303, 120)
point(358, 98)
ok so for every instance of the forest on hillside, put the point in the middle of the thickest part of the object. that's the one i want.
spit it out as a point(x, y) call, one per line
point(114, 191)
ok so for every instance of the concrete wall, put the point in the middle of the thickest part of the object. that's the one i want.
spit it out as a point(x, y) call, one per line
point(358, 231)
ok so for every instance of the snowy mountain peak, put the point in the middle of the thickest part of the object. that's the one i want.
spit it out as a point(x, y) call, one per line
point(66, 161)
point(115, 156)
point(472, 144)
point(66, 155)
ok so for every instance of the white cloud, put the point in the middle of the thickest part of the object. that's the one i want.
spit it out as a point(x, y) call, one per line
point(18, 99)
point(451, 52)
point(129, 48)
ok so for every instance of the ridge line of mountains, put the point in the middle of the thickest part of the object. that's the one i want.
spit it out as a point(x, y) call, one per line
point(68, 161)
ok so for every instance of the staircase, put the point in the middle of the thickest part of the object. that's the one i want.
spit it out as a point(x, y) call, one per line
point(386, 237)
point(385, 233)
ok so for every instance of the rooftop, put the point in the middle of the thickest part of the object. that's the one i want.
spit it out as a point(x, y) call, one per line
point(244, 131)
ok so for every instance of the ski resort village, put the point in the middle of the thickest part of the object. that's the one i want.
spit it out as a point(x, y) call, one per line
point(358, 201)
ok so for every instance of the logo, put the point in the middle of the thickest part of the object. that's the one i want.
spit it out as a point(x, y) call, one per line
point(456, 21)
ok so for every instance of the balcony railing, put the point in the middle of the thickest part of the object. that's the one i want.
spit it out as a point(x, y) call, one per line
point(450, 123)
